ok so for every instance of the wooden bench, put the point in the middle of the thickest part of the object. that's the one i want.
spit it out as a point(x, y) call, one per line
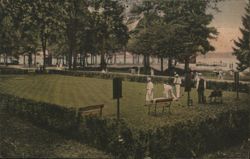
point(93, 110)
point(216, 95)
point(160, 102)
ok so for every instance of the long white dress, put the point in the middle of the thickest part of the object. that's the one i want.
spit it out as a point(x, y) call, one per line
point(177, 82)
point(150, 93)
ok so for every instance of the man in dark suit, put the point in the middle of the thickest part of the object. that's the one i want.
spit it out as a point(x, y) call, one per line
point(201, 87)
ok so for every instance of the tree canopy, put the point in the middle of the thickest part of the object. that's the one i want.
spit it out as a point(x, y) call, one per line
point(242, 45)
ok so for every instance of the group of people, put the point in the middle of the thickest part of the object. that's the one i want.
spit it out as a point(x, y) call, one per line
point(173, 90)
point(168, 89)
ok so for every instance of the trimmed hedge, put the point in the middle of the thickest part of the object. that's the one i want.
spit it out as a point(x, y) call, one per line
point(127, 77)
point(47, 115)
point(211, 84)
point(182, 140)
point(6, 71)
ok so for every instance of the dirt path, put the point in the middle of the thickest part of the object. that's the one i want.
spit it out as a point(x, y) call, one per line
point(20, 138)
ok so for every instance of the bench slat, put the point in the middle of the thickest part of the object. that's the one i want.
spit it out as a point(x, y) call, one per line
point(164, 100)
point(100, 106)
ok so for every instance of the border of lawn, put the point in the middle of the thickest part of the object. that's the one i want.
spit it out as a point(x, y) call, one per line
point(183, 140)
point(225, 85)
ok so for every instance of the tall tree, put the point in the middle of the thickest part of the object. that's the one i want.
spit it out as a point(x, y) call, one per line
point(147, 12)
point(197, 31)
point(242, 49)
point(111, 30)
point(74, 23)
point(42, 15)
point(9, 31)
point(189, 23)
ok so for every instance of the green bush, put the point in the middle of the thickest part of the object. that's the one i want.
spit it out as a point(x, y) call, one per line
point(223, 85)
point(43, 114)
point(192, 139)
point(6, 71)
point(182, 140)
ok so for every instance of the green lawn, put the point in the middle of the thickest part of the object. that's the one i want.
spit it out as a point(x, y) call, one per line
point(81, 91)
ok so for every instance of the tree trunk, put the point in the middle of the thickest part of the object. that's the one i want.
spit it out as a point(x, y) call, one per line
point(24, 60)
point(133, 58)
point(30, 59)
point(146, 62)
point(125, 50)
point(162, 65)
point(95, 59)
point(83, 60)
point(170, 66)
point(186, 64)
point(115, 58)
point(44, 46)
point(103, 63)
point(44, 54)
point(6, 60)
point(74, 61)
point(35, 58)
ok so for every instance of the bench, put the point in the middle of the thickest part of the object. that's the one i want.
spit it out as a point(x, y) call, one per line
point(93, 110)
point(215, 96)
point(160, 102)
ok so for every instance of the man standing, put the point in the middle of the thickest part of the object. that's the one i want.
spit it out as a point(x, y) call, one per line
point(201, 87)
point(177, 83)
point(149, 93)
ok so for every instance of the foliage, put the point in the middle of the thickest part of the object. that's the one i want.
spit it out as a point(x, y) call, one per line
point(10, 35)
point(242, 45)
point(211, 84)
point(112, 33)
point(185, 139)
point(179, 29)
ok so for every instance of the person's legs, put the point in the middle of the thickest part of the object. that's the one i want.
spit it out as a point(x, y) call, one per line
point(166, 94)
point(199, 97)
point(151, 96)
point(172, 94)
point(202, 97)
point(178, 87)
point(147, 96)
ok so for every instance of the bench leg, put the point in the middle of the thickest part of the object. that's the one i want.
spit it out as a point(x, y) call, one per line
point(169, 107)
point(149, 109)
point(100, 112)
point(155, 109)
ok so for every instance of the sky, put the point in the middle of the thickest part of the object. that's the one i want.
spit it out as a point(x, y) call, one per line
point(228, 22)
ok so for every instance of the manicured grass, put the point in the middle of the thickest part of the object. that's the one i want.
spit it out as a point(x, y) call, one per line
point(81, 91)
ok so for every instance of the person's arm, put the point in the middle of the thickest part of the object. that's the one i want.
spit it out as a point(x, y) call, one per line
point(205, 84)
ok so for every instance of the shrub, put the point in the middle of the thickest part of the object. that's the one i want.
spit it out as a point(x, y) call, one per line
point(182, 140)
point(211, 84)
point(5, 71)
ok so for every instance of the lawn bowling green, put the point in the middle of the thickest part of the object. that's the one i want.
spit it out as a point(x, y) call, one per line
point(71, 91)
